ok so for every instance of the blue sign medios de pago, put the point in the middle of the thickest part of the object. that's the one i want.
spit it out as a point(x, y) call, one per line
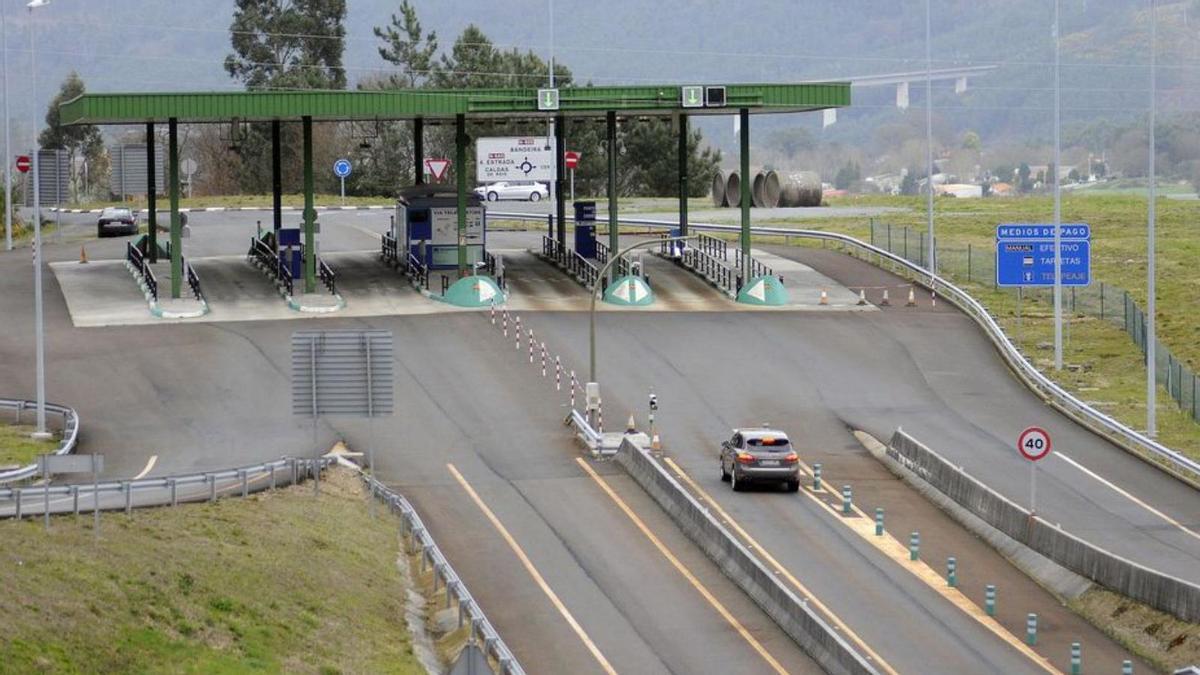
point(1025, 254)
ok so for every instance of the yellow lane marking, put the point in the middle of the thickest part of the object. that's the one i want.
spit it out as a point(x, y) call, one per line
point(1127, 495)
point(148, 469)
point(780, 569)
point(687, 574)
point(864, 526)
point(533, 572)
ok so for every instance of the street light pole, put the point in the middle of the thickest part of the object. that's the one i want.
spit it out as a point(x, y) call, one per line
point(601, 275)
point(39, 332)
point(929, 134)
point(1151, 360)
point(8, 157)
point(1058, 318)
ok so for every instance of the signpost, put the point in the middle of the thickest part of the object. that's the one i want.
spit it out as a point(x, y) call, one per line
point(341, 169)
point(514, 158)
point(1025, 256)
point(188, 167)
point(56, 464)
point(571, 158)
point(1033, 444)
point(23, 163)
point(437, 167)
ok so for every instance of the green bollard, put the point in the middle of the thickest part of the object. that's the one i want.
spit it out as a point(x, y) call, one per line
point(989, 600)
point(951, 572)
point(846, 500)
point(1076, 658)
point(914, 546)
point(816, 477)
point(878, 521)
point(1031, 629)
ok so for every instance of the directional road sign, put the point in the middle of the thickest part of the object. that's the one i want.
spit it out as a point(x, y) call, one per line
point(341, 168)
point(1025, 254)
point(691, 96)
point(547, 99)
point(1034, 443)
point(23, 163)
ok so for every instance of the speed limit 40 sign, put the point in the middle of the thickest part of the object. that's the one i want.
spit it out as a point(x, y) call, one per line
point(1034, 443)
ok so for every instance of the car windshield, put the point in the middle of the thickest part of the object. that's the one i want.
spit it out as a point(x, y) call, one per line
point(768, 443)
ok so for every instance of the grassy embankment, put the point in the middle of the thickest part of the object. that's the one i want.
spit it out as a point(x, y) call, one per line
point(281, 581)
point(18, 448)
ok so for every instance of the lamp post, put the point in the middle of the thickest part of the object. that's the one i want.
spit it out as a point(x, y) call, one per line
point(1151, 356)
point(1058, 318)
point(39, 332)
point(929, 134)
point(8, 158)
point(601, 275)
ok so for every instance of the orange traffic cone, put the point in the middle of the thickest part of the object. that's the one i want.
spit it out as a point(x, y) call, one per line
point(82, 255)
point(656, 443)
point(886, 302)
point(824, 298)
point(862, 296)
point(912, 298)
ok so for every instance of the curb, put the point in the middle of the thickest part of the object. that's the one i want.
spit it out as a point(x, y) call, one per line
point(157, 311)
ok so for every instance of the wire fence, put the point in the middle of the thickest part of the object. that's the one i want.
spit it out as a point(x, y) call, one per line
point(977, 264)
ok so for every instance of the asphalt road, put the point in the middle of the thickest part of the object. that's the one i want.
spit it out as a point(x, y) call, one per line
point(208, 396)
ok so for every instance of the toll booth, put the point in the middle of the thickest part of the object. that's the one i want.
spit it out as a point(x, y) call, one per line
point(291, 251)
point(426, 225)
point(585, 229)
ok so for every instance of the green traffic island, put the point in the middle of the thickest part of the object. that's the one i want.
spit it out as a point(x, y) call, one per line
point(475, 291)
point(153, 276)
point(280, 581)
point(18, 447)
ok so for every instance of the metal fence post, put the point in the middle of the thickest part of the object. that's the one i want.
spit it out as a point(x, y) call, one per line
point(212, 486)
point(17, 500)
point(968, 262)
point(1102, 300)
point(75, 499)
point(245, 483)
point(272, 477)
point(128, 498)
point(174, 500)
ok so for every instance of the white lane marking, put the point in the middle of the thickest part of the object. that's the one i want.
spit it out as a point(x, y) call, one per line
point(148, 469)
point(1127, 495)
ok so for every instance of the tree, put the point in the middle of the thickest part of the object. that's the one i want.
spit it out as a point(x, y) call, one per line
point(288, 44)
point(402, 46)
point(82, 140)
point(792, 141)
point(971, 141)
point(847, 176)
point(910, 185)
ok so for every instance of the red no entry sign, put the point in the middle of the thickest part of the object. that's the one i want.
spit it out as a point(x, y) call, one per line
point(1034, 443)
point(572, 159)
point(23, 163)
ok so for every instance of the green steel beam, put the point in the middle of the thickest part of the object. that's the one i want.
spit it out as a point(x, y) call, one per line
point(460, 177)
point(418, 130)
point(613, 231)
point(310, 214)
point(151, 197)
point(176, 225)
point(744, 156)
point(138, 108)
point(683, 175)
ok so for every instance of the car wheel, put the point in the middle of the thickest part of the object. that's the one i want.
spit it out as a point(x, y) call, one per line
point(737, 485)
point(492, 196)
point(792, 486)
point(535, 196)
point(724, 473)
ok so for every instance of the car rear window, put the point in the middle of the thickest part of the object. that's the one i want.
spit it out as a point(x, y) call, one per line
point(768, 443)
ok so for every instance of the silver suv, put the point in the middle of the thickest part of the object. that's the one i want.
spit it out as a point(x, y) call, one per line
point(759, 455)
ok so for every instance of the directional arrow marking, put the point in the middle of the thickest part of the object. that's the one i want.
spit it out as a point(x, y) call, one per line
point(758, 291)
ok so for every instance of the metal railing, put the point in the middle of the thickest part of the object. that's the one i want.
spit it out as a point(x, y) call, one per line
point(417, 537)
point(489, 263)
point(417, 271)
point(576, 265)
point(70, 433)
point(193, 279)
point(283, 274)
point(601, 252)
point(325, 273)
point(756, 268)
point(713, 269)
point(137, 259)
point(387, 249)
point(713, 246)
point(1072, 406)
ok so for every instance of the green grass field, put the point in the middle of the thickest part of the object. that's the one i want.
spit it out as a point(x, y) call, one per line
point(280, 582)
point(17, 448)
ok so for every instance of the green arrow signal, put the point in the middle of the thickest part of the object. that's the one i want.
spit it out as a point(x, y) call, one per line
point(691, 95)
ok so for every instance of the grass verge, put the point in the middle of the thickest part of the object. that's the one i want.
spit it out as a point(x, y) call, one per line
point(1161, 639)
point(17, 448)
point(278, 582)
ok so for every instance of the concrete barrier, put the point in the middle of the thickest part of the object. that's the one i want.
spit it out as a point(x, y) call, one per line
point(792, 614)
point(1160, 591)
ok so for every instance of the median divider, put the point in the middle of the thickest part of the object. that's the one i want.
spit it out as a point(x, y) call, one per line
point(1156, 589)
point(817, 638)
point(70, 433)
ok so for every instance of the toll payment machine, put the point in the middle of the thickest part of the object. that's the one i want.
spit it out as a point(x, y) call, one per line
point(426, 226)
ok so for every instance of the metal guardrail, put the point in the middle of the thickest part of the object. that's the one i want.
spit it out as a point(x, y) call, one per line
point(137, 259)
point(601, 252)
point(1033, 378)
point(283, 275)
point(327, 276)
point(193, 279)
point(713, 246)
point(70, 433)
point(756, 268)
point(712, 268)
point(417, 271)
point(418, 536)
point(576, 265)
point(387, 249)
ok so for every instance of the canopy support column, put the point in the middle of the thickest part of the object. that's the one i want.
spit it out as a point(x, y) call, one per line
point(744, 156)
point(276, 181)
point(460, 177)
point(683, 175)
point(176, 225)
point(310, 214)
point(151, 195)
point(560, 170)
point(610, 119)
point(418, 151)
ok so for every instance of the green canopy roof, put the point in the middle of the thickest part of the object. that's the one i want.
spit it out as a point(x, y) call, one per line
point(216, 106)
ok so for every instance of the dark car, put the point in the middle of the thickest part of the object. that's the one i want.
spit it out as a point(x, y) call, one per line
point(759, 456)
point(116, 220)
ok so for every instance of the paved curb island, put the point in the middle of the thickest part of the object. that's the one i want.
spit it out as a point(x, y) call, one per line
point(70, 434)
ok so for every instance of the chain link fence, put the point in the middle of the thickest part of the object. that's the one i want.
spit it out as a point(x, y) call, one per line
point(977, 264)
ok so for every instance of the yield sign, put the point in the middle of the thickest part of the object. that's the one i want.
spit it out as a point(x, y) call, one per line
point(437, 166)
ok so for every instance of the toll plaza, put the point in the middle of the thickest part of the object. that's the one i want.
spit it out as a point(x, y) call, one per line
point(439, 235)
